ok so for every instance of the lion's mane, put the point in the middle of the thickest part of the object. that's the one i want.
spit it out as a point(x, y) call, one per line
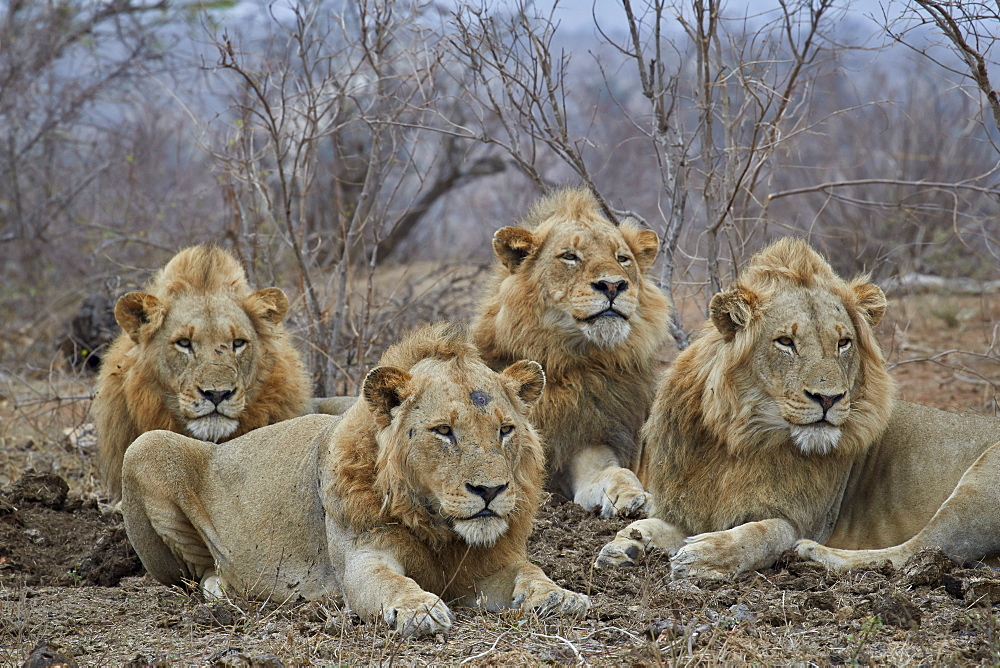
point(705, 418)
point(131, 391)
point(372, 480)
point(593, 394)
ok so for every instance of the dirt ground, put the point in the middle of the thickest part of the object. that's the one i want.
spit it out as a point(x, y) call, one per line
point(72, 591)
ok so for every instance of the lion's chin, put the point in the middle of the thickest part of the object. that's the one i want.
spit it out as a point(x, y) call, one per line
point(481, 531)
point(212, 427)
point(815, 439)
point(607, 331)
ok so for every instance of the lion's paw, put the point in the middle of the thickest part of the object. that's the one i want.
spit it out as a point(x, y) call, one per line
point(213, 587)
point(616, 492)
point(545, 597)
point(629, 503)
point(810, 550)
point(624, 550)
point(419, 615)
point(709, 555)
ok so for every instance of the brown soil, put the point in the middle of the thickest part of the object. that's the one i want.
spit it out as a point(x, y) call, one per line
point(72, 591)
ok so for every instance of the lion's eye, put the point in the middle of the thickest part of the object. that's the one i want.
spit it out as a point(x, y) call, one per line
point(785, 341)
point(569, 256)
point(239, 343)
point(442, 429)
point(183, 343)
point(844, 344)
point(506, 429)
point(624, 259)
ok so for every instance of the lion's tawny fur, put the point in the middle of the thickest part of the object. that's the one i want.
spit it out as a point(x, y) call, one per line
point(704, 436)
point(369, 475)
point(594, 394)
point(134, 391)
point(386, 504)
point(778, 429)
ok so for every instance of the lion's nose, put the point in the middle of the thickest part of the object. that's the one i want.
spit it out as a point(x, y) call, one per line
point(216, 396)
point(610, 288)
point(825, 400)
point(488, 493)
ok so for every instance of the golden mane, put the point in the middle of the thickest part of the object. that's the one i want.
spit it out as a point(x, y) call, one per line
point(576, 204)
point(202, 269)
point(545, 303)
point(138, 391)
point(712, 389)
point(778, 430)
point(372, 477)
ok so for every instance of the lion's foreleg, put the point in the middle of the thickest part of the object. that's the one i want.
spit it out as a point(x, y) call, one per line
point(965, 527)
point(375, 585)
point(746, 547)
point(637, 539)
point(600, 483)
point(524, 585)
point(157, 476)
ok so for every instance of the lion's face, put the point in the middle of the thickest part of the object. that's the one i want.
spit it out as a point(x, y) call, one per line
point(803, 356)
point(456, 443)
point(807, 361)
point(206, 351)
point(585, 275)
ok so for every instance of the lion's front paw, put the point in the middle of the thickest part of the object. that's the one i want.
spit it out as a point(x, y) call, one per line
point(617, 492)
point(627, 503)
point(546, 597)
point(418, 615)
point(624, 550)
point(708, 555)
point(810, 550)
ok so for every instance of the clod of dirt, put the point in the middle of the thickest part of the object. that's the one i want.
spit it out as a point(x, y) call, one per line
point(48, 656)
point(237, 658)
point(55, 540)
point(46, 489)
point(111, 559)
point(822, 600)
point(898, 610)
point(926, 567)
point(983, 589)
point(142, 661)
point(976, 586)
point(215, 614)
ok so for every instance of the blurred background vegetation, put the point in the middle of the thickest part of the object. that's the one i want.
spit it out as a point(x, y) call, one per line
point(359, 154)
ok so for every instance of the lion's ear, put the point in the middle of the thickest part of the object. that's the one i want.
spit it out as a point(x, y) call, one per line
point(732, 310)
point(512, 245)
point(645, 245)
point(384, 388)
point(269, 304)
point(527, 379)
point(871, 300)
point(135, 310)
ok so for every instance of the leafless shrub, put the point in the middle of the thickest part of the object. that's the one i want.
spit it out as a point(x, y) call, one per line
point(718, 102)
point(334, 159)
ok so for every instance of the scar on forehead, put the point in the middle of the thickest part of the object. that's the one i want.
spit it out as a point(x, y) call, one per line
point(480, 399)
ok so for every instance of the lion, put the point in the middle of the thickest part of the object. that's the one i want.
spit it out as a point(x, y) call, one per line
point(778, 429)
point(571, 291)
point(201, 354)
point(423, 492)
